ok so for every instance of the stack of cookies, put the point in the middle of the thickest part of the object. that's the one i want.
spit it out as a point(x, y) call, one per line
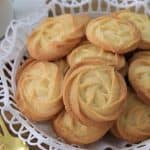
point(79, 76)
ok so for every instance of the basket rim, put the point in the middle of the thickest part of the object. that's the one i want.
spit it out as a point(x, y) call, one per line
point(9, 43)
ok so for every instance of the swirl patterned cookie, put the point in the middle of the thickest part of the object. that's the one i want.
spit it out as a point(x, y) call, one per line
point(56, 36)
point(63, 65)
point(141, 54)
point(134, 123)
point(113, 34)
point(94, 92)
point(139, 75)
point(21, 68)
point(88, 50)
point(72, 131)
point(39, 90)
point(141, 21)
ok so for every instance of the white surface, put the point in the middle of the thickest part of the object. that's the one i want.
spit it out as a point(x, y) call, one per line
point(6, 14)
point(23, 8)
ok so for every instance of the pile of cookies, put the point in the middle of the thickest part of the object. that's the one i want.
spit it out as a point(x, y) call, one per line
point(79, 76)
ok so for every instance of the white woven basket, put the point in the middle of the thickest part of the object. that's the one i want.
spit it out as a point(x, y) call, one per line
point(13, 53)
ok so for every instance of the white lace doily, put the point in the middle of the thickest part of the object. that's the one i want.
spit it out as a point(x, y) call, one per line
point(13, 53)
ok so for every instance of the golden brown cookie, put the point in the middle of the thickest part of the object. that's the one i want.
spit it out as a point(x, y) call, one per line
point(94, 92)
point(56, 36)
point(63, 65)
point(115, 132)
point(39, 90)
point(21, 68)
point(134, 123)
point(139, 76)
point(141, 54)
point(87, 50)
point(73, 132)
point(113, 34)
point(142, 22)
point(124, 70)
